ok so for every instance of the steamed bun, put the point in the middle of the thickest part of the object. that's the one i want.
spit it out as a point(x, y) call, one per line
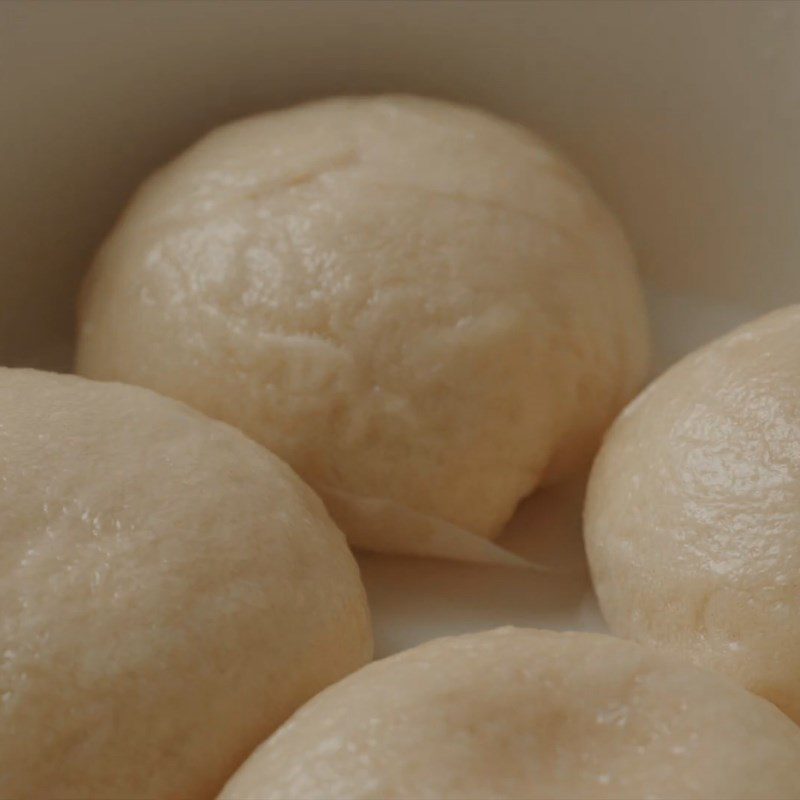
point(529, 714)
point(423, 309)
point(170, 593)
point(693, 512)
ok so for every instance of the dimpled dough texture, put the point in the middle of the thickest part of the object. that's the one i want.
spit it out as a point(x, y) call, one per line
point(693, 514)
point(423, 309)
point(170, 593)
point(528, 714)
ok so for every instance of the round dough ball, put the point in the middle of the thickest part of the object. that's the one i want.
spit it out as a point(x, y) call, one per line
point(170, 593)
point(693, 511)
point(423, 309)
point(528, 714)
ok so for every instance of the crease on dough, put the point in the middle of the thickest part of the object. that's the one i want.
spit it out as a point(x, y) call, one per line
point(379, 525)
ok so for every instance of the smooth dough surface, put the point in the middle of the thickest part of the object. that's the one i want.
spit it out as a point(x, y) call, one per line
point(423, 309)
point(693, 510)
point(170, 593)
point(529, 715)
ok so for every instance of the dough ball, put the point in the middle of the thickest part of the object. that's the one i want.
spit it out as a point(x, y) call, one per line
point(528, 714)
point(423, 309)
point(170, 593)
point(693, 512)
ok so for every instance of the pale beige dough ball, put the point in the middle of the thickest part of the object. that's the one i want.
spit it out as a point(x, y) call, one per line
point(693, 511)
point(525, 714)
point(170, 593)
point(425, 310)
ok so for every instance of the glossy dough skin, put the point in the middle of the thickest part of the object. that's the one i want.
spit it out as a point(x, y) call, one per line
point(170, 593)
point(528, 714)
point(693, 511)
point(420, 307)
